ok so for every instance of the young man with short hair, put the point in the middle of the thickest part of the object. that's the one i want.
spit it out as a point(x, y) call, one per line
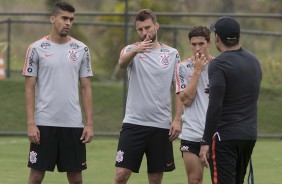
point(54, 66)
point(191, 82)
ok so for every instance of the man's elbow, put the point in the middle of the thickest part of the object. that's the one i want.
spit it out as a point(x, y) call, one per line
point(187, 103)
point(122, 64)
point(184, 100)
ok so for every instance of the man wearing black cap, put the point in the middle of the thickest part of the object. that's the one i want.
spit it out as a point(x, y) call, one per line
point(231, 122)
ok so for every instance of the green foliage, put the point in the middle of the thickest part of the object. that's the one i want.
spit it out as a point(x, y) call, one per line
point(105, 43)
point(272, 68)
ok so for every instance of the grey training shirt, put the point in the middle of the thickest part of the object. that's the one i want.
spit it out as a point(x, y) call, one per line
point(150, 76)
point(58, 68)
point(193, 118)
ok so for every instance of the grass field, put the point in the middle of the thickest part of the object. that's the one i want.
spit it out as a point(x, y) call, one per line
point(267, 163)
point(108, 114)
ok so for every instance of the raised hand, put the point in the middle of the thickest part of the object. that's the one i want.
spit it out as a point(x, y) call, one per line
point(199, 61)
point(145, 46)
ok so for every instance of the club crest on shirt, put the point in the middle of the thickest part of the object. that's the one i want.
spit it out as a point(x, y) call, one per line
point(73, 56)
point(164, 60)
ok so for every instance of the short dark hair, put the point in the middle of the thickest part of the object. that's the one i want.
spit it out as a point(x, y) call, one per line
point(61, 5)
point(145, 14)
point(200, 31)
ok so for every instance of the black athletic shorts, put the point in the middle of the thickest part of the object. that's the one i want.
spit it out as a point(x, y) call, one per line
point(229, 160)
point(58, 146)
point(136, 140)
point(190, 146)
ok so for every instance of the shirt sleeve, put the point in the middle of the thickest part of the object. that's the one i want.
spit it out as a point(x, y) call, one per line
point(31, 62)
point(181, 78)
point(125, 50)
point(177, 61)
point(86, 69)
point(217, 84)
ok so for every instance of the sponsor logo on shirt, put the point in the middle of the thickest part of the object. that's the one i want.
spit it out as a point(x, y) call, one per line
point(84, 164)
point(48, 55)
point(164, 50)
point(184, 148)
point(45, 45)
point(31, 60)
point(141, 57)
point(169, 164)
point(88, 66)
point(190, 66)
point(181, 76)
point(74, 45)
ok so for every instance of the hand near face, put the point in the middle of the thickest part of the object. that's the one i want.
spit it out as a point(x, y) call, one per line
point(145, 46)
point(199, 61)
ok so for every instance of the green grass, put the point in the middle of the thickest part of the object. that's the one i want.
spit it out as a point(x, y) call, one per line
point(107, 97)
point(267, 163)
point(108, 107)
point(269, 110)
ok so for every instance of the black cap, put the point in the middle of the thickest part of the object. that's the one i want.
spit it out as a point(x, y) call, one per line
point(227, 28)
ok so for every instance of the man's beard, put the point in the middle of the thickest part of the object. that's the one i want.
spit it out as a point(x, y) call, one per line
point(153, 38)
point(63, 35)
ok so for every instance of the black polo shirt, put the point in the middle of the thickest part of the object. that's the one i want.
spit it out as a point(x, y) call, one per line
point(234, 85)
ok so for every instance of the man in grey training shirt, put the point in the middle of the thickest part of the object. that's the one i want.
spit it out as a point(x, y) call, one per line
point(54, 66)
point(191, 82)
point(147, 126)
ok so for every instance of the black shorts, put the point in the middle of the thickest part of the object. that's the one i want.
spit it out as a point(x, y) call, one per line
point(58, 146)
point(136, 140)
point(229, 160)
point(190, 146)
